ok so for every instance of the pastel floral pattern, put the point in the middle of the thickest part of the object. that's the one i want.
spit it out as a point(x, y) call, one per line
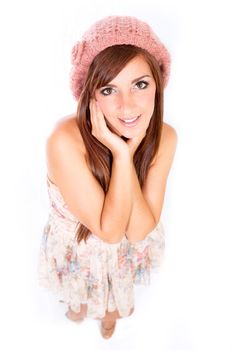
point(97, 273)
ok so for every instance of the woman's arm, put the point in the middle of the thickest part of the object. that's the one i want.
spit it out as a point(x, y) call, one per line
point(105, 215)
point(141, 220)
point(118, 200)
point(148, 201)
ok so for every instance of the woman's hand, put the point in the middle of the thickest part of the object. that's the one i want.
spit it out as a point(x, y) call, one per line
point(101, 131)
point(134, 143)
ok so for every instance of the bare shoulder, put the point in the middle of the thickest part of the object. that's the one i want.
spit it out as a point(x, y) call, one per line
point(65, 136)
point(68, 127)
point(169, 127)
point(168, 137)
point(168, 142)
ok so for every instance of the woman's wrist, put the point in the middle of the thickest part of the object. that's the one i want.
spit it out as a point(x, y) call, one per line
point(122, 156)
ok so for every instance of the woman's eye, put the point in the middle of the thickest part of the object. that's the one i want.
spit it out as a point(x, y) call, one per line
point(106, 91)
point(142, 84)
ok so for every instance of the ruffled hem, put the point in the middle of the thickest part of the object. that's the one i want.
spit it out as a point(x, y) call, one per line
point(96, 272)
point(148, 255)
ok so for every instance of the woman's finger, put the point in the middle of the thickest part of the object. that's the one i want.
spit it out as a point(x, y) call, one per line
point(92, 108)
point(100, 118)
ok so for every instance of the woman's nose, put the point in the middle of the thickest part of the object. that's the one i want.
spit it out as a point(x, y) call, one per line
point(126, 104)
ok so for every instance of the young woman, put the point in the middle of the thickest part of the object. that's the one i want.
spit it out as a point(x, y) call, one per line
point(107, 170)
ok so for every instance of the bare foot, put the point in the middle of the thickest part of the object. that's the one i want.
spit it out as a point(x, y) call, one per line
point(107, 328)
point(108, 323)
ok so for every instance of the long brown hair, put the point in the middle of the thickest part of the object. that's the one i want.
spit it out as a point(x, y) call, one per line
point(104, 68)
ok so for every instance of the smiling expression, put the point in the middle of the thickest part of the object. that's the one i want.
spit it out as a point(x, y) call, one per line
point(127, 101)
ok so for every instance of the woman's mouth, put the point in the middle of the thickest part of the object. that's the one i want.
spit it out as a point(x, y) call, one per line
point(130, 122)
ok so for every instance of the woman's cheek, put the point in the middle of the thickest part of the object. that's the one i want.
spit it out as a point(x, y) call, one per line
point(107, 110)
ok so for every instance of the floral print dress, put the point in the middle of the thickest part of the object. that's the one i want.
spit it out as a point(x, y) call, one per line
point(97, 273)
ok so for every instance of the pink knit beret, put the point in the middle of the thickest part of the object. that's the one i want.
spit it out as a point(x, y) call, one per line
point(114, 30)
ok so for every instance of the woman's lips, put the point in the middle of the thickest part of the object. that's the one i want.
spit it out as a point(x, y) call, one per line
point(128, 123)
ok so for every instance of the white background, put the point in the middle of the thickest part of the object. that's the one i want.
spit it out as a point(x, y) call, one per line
point(189, 303)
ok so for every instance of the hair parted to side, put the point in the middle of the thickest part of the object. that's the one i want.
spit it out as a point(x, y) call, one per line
point(104, 68)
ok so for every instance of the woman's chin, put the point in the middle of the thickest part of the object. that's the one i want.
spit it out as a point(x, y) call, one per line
point(130, 134)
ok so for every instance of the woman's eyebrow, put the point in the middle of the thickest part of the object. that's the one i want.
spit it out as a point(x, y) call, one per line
point(133, 81)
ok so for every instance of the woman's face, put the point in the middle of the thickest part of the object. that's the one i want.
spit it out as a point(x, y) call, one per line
point(127, 101)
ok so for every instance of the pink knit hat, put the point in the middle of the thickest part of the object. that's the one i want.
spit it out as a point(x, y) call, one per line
point(115, 30)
